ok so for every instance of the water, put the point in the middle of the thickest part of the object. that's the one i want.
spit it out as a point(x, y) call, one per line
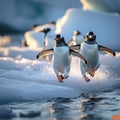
point(29, 89)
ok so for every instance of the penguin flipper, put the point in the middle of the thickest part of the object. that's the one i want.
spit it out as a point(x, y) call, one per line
point(74, 53)
point(70, 42)
point(102, 48)
point(44, 53)
point(75, 47)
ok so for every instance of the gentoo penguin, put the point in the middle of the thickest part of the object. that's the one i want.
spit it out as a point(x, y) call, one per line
point(62, 57)
point(90, 51)
point(45, 31)
point(34, 38)
point(48, 41)
point(77, 38)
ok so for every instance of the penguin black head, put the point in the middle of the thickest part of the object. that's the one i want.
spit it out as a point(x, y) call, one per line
point(76, 32)
point(45, 30)
point(90, 36)
point(57, 37)
point(60, 40)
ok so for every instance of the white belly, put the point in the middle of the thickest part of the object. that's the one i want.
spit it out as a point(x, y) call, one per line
point(61, 60)
point(90, 53)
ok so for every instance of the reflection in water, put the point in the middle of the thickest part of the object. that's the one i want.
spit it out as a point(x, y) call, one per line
point(85, 107)
point(60, 110)
point(89, 109)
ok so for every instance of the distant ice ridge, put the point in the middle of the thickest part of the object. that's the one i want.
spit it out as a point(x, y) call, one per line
point(112, 6)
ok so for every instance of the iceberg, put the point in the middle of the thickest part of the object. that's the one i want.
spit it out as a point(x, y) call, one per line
point(106, 26)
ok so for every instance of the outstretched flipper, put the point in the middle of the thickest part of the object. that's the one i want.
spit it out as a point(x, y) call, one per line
point(102, 48)
point(44, 53)
point(70, 42)
point(75, 47)
point(78, 55)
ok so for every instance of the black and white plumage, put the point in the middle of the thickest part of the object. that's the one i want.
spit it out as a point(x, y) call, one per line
point(90, 50)
point(77, 38)
point(40, 36)
point(61, 58)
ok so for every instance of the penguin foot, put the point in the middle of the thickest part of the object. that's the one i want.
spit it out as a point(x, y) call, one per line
point(65, 76)
point(86, 78)
point(60, 78)
point(92, 72)
point(92, 75)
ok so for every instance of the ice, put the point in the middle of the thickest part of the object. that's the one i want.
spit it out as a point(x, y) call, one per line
point(30, 114)
point(6, 113)
point(24, 78)
point(106, 26)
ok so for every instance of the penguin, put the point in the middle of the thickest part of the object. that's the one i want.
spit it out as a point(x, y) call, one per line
point(61, 57)
point(40, 36)
point(48, 38)
point(89, 49)
point(77, 38)
point(48, 41)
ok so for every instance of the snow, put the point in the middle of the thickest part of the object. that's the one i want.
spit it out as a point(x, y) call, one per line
point(106, 26)
point(25, 78)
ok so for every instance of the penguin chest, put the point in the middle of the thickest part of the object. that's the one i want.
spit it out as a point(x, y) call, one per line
point(90, 52)
point(62, 58)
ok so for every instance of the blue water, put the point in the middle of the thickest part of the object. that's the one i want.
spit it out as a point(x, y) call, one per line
point(99, 106)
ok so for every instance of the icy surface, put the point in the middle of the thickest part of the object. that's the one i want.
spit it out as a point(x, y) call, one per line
point(25, 78)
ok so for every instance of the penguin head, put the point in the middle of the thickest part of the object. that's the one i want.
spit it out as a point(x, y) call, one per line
point(76, 32)
point(45, 30)
point(59, 39)
point(90, 36)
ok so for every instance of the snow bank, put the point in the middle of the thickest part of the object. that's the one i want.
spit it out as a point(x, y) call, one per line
point(105, 26)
